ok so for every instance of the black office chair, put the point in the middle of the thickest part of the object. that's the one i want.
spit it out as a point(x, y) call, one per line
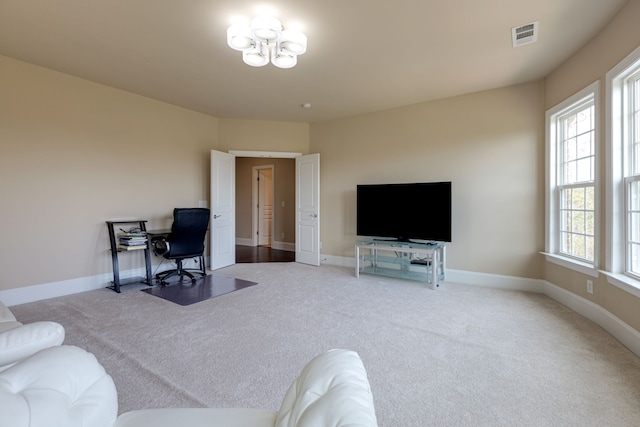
point(186, 240)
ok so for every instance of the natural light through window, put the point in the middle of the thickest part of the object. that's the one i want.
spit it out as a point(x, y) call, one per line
point(623, 174)
point(576, 184)
point(571, 238)
point(632, 177)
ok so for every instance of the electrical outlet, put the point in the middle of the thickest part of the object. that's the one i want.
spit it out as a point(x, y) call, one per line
point(590, 286)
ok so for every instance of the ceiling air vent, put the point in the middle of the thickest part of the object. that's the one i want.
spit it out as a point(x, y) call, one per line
point(524, 34)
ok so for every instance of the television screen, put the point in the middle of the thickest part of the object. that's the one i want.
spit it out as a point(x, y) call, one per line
point(416, 211)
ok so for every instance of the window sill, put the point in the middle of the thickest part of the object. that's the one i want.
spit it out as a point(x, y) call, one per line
point(581, 267)
point(624, 282)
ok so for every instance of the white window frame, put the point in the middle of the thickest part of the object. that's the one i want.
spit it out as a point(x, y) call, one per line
point(617, 164)
point(552, 226)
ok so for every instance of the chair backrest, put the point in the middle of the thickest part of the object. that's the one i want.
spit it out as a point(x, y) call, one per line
point(187, 232)
point(331, 391)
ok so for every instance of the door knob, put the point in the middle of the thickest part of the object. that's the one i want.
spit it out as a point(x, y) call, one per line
point(216, 216)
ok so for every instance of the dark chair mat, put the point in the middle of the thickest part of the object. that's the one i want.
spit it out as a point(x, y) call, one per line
point(185, 292)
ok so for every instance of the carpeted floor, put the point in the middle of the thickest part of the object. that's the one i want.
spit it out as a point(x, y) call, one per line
point(456, 356)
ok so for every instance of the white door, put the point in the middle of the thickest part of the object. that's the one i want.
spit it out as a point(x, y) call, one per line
point(308, 209)
point(223, 210)
point(265, 206)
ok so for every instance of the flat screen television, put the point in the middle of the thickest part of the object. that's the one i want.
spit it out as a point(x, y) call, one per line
point(405, 212)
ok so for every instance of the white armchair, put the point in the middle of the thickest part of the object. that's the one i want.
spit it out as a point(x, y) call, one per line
point(66, 386)
point(18, 341)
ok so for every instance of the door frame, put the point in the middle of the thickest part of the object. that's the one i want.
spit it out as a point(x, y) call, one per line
point(255, 217)
point(265, 154)
point(272, 154)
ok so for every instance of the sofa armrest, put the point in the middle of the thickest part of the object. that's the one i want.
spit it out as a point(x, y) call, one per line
point(58, 386)
point(24, 340)
point(332, 391)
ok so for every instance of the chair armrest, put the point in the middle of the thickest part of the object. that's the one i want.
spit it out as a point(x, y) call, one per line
point(159, 245)
point(333, 391)
point(24, 340)
point(58, 386)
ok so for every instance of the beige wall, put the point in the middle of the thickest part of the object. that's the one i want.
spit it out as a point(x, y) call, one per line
point(489, 144)
point(257, 135)
point(590, 64)
point(74, 154)
point(618, 39)
point(284, 190)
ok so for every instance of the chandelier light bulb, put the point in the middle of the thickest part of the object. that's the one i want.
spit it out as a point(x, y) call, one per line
point(239, 37)
point(284, 60)
point(266, 28)
point(256, 57)
point(266, 41)
point(294, 42)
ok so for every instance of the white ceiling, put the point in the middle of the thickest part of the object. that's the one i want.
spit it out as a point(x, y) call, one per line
point(363, 55)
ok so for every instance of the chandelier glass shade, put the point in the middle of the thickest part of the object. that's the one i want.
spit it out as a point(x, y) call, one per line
point(266, 41)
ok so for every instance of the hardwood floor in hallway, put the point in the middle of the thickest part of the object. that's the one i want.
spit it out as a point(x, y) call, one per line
point(255, 254)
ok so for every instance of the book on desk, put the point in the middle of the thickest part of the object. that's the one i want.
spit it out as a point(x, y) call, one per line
point(132, 241)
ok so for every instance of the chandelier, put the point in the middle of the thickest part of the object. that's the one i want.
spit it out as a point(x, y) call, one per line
point(265, 40)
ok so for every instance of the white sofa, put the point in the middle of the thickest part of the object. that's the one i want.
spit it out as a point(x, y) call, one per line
point(66, 387)
point(18, 341)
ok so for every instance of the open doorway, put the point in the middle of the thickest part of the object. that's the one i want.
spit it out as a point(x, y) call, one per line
point(265, 209)
point(262, 197)
point(306, 207)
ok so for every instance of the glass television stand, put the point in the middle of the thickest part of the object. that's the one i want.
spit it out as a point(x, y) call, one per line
point(423, 262)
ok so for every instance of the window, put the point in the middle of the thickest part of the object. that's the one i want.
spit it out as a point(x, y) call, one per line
point(571, 181)
point(632, 175)
point(576, 181)
point(623, 173)
point(633, 227)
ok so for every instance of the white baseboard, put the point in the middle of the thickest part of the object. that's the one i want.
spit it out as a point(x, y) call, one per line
point(11, 297)
point(628, 336)
point(620, 330)
point(44, 291)
point(624, 333)
point(460, 276)
point(494, 281)
point(282, 246)
point(244, 242)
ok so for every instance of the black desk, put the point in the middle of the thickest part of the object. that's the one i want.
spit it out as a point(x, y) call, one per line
point(159, 233)
point(115, 251)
